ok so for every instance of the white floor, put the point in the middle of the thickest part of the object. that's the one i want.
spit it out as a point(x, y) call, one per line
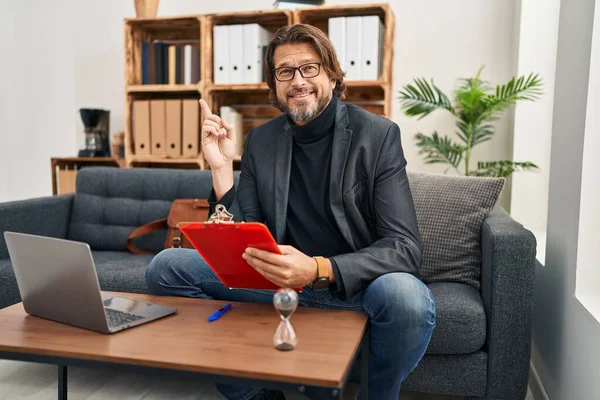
point(30, 381)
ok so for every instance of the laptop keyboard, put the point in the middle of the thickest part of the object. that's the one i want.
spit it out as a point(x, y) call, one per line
point(116, 318)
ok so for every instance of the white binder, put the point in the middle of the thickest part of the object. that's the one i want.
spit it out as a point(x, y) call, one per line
point(353, 48)
point(187, 64)
point(221, 54)
point(372, 48)
point(337, 35)
point(236, 53)
point(236, 119)
point(256, 39)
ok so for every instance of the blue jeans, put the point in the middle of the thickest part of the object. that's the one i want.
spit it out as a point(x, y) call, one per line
point(400, 308)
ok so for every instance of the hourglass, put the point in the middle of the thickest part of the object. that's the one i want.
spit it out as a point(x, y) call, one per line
point(286, 302)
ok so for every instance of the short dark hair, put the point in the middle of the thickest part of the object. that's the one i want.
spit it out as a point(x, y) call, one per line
point(303, 33)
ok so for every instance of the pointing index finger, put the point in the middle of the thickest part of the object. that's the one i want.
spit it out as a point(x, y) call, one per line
point(205, 107)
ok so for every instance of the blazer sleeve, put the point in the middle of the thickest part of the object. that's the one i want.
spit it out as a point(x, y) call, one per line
point(242, 201)
point(398, 245)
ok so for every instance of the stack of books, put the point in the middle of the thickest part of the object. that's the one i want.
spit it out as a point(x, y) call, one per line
point(170, 62)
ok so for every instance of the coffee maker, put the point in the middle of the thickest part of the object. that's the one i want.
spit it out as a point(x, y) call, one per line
point(96, 124)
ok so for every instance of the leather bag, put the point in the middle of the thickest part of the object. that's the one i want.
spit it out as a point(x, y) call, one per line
point(182, 210)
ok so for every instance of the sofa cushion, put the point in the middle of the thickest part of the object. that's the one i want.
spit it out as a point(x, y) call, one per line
point(9, 291)
point(460, 319)
point(450, 212)
point(121, 271)
point(111, 202)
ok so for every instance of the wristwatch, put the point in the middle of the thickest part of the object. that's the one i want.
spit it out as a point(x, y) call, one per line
point(322, 280)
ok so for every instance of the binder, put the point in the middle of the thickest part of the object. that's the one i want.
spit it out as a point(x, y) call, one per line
point(141, 127)
point(190, 118)
point(173, 127)
point(221, 54)
point(372, 51)
point(256, 39)
point(236, 53)
point(157, 127)
point(353, 48)
point(337, 35)
point(187, 64)
point(236, 119)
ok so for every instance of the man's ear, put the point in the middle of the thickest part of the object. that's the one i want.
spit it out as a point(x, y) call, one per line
point(333, 84)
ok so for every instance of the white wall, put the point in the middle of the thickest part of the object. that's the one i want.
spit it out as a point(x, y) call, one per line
point(533, 120)
point(37, 99)
point(83, 49)
point(588, 254)
point(565, 335)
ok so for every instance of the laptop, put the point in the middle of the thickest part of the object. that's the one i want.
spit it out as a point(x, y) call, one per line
point(57, 280)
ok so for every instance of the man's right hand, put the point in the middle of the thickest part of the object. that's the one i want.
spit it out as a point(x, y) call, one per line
point(218, 139)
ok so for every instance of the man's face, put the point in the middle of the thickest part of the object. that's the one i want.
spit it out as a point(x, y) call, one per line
point(303, 99)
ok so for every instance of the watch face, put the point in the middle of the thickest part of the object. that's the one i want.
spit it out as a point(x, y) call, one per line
point(321, 283)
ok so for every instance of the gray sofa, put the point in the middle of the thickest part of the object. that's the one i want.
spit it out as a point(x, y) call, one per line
point(481, 344)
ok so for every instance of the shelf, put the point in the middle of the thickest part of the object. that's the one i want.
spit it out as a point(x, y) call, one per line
point(165, 159)
point(365, 84)
point(188, 24)
point(238, 87)
point(162, 88)
point(312, 14)
point(266, 18)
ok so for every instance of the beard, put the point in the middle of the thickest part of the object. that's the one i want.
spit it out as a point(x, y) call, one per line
point(304, 111)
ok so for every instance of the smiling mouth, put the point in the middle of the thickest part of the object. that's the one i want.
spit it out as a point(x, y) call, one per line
point(301, 95)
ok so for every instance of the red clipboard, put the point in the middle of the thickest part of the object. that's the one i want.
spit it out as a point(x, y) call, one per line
point(221, 245)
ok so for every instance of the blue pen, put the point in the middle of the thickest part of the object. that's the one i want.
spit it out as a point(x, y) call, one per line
point(219, 313)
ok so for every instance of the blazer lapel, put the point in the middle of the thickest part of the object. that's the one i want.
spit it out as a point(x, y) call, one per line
point(283, 161)
point(342, 138)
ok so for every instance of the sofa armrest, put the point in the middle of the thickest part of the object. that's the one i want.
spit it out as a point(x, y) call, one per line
point(47, 216)
point(507, 283)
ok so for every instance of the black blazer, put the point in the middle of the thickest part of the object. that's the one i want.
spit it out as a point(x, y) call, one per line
point(370, 195)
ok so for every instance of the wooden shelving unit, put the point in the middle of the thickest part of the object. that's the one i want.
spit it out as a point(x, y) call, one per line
point(251, 100)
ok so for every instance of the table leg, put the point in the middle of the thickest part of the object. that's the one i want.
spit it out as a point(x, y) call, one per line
point(364, 367)
point(62, 382)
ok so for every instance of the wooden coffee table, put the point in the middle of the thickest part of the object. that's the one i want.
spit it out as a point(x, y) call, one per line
point(238, 348)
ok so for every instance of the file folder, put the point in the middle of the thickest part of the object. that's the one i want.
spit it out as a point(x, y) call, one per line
point(337, 35)
point(354, 48)
point(141, 127)
point(235, 119)
point(372, 48)
point(221, 54)
point(173, 126)
point(256, 39)
point(236, 53)
point(157, 127)
point(190, 131)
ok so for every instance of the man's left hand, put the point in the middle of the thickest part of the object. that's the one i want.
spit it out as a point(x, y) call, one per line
point(291, 269)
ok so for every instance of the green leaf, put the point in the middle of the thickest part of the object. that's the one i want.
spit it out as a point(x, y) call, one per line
point(439, 150)
point(422, 98)
point(521, 88)
point(502, 168)
point(482, 133)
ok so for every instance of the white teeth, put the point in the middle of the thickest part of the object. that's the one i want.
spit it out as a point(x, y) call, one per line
point(301, 95)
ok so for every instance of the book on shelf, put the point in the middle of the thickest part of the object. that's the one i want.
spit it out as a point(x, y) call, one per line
point(170, 62)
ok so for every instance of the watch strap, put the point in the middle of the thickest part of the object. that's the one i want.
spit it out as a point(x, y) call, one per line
point(322, 267)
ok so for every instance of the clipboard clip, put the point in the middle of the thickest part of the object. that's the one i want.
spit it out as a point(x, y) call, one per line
point(220, 216)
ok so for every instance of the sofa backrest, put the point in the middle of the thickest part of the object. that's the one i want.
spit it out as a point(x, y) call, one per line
point(111, 202)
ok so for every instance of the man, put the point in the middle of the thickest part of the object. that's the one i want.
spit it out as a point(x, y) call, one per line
point(329, 180)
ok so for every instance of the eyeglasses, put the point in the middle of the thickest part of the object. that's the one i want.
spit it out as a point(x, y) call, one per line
point(309, 70)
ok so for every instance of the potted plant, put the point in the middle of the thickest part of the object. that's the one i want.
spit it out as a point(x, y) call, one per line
point(475, 105)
